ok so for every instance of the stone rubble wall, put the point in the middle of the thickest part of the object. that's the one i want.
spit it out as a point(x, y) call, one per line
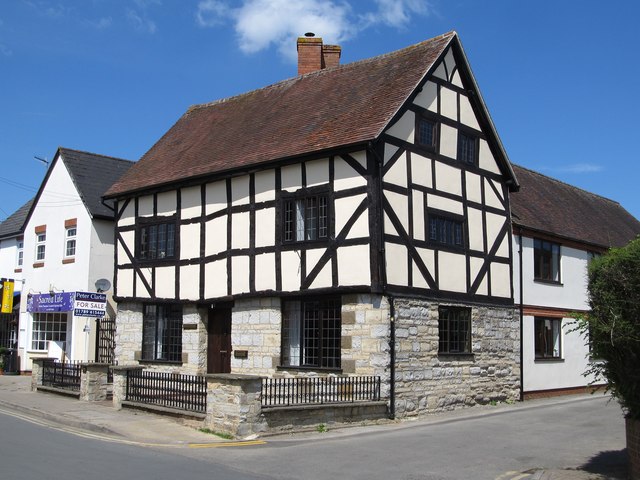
point(428, 382)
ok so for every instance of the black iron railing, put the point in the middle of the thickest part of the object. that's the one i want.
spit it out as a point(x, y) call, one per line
point(171, 390)
point(106, 343)
point(61, 375)
point(281, 392)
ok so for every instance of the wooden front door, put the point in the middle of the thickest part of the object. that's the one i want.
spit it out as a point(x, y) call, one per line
point(219, 341)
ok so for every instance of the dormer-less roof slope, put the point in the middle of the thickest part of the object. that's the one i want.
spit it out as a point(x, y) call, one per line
point(14, 223)
point(93, 174)
point(549, 206)
point(343, 106)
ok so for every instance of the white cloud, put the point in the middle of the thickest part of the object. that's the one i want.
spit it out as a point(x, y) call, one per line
point(100, 24)
point(577, 168)
point(5, 51)
point(260, 24)
point(141, 22)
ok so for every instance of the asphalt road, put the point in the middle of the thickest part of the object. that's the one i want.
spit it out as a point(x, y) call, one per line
point(586, 432)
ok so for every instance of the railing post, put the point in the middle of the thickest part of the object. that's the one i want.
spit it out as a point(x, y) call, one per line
point(120, 383)
point(93, 382)
point(37, 370)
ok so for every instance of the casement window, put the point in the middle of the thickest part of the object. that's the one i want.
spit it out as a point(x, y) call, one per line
point(467, 149)
point(546, 261)
point(41, 240)
point(157, 241)
point(70, 242)
point(162, 333)
point(311, 333)
point(547, 337)
point(20, 253)
point(427, 133)
point(446, 231)
point(305, 218)
point(48, 327)
point(454, 330)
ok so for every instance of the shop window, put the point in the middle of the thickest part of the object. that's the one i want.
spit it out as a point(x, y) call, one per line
point(48, 327)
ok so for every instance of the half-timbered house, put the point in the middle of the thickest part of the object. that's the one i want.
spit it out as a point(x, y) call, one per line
point(353, 220)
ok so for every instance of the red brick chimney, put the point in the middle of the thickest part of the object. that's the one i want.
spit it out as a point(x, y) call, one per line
point(313, 56)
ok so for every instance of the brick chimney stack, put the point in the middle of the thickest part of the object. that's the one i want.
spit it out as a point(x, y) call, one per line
point(313, 55)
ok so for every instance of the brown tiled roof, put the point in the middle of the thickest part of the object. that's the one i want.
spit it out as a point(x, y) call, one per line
point(341, 106)
point(547, 205)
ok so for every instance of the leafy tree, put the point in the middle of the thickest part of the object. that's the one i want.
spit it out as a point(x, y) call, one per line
point(613, 325)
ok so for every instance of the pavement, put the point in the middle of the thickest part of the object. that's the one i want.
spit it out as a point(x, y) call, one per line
point(137, 427)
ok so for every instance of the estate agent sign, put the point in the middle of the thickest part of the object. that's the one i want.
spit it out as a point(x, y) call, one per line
point(82, 304)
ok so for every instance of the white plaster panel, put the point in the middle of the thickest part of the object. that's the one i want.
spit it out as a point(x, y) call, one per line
point(474, 192)
point(503, 249)
point(449, 103)
point(346, 177)
point(397, 174)
point(291, 177)
point(456, 80)
point(240, 190)
point(145, 206)
point(317, 172)
point(486, 160)
point(400, 208)
point(440, 71)
point(490, 197)
point(452, 272)
point(240, 230)
point(129, 239)
point(344, 208)
point(167, 203)
point(448, 141)
point(389, 151)
point(418, 215)
point(475, 264)
point(323, 279)
point(500, 280)
point(265, 183)
point(483, 288)
point(125, 282)
point(450, 63)
point(290, 265)
point(396, 260)
point(476, 239)
point(215, 279)
point(190, 282)
point(240, 274)
point(494, 224)
point(428, 97)
point(421, 170)
point(129, 215)
point(265, 227)
point(190, 202)
point(348, 257)
point(190, 241)
point(467, 116)
point(360, 157)
point(216, 195)
point(446, 204)
point(428, 258)
point(265, 272)
point(404, 127)
point(389, 228)
point(216, 236)
point(165, 282)
point(448, 179)
point(141, 290)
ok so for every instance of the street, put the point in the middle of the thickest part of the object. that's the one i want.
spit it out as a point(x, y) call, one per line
point(582, 432)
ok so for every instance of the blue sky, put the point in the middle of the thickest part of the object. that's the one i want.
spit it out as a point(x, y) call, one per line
point(560, 78)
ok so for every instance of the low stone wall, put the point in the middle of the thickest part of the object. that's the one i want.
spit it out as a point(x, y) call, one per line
point(428, 382)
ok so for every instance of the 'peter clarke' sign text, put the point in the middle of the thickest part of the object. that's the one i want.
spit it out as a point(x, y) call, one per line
point(82, 304)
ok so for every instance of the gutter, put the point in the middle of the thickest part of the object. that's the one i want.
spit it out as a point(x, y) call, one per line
point(520, 274)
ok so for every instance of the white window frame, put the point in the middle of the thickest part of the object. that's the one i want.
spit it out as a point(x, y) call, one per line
point(20, 253)
point(70, 240)
point(41, 241)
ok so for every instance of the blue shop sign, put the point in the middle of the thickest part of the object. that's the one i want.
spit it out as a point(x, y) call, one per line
point(47, 302)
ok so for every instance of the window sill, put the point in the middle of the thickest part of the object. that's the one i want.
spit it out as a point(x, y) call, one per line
point(549, 360)
point(548, 282)
point(457, 356)
point(284, 368)
point(159, 362)
point(17, 270)
point(38, 265)
point(68, 260)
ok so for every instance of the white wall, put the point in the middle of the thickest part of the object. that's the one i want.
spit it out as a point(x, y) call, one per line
point(9, 261)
